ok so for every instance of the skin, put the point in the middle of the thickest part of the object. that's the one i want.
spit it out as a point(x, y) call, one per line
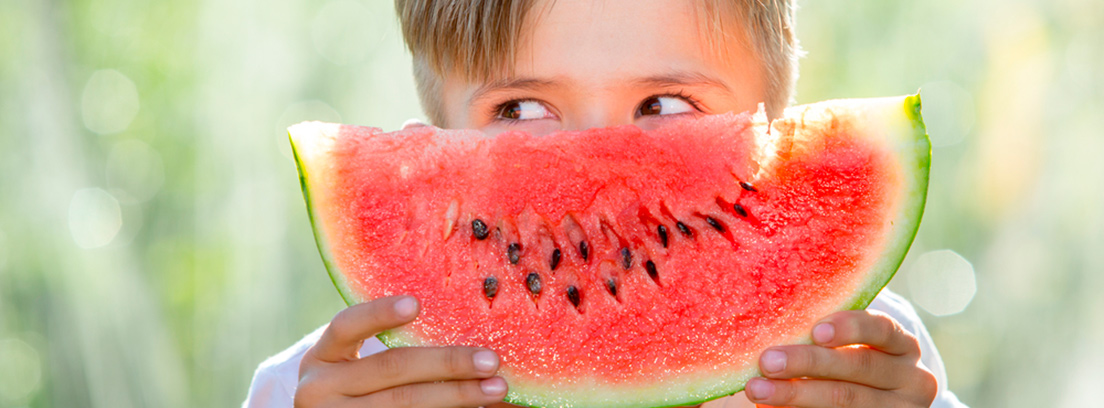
point(584, 64)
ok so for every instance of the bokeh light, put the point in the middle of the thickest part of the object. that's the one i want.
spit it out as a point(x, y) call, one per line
point(948, 112)
point(94, 218)
point(109, 102)
point(942, 282)
point(20, 371)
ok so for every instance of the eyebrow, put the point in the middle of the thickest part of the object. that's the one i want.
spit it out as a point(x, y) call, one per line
point(681, 79)
point(664, 80)
point(528, 84)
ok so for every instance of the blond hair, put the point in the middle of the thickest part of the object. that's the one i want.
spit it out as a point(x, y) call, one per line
point(481, 36)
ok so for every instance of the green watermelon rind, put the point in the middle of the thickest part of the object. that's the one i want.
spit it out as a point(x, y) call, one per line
point(914, 152)
point(918, 142)
point(320, 238)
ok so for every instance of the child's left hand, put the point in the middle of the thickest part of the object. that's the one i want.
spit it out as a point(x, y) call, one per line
point(860, 359)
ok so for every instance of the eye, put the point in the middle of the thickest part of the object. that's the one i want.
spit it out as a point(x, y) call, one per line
point(524, 110)
point(665, 105)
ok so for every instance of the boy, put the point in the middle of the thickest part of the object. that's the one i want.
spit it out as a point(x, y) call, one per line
point(543, 66)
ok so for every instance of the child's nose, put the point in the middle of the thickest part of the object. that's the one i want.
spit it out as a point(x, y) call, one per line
point(597, 117)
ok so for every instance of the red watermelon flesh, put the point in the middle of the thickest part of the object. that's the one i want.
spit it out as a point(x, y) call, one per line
point(706, 241)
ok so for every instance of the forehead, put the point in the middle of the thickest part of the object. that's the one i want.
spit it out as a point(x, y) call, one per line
point(621, 35)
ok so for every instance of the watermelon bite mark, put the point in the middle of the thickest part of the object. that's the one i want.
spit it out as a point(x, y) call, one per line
point(616, 267)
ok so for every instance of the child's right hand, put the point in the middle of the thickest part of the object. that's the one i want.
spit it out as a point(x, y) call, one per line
point(332, 373)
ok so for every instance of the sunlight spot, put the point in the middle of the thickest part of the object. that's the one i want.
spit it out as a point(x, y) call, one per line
point(948, 112)
point(109, 102)
point(942, 282)
point(20, 371)
point(134, 171)
point(94, 218)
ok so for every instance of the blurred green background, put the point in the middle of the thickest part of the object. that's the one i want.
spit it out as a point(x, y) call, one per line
point(154, 247)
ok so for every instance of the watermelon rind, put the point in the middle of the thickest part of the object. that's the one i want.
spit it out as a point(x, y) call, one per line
point(904, 124)
point(915, 148)
point(896, 120)
point(311, 145)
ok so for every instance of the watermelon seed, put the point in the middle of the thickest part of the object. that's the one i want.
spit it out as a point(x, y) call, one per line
point(584, 250)
point(662, 230)
point(740, 210)
point(490, 287)
point(652, 272)
point(747, 186)
point(533, 282)
point(715, 224)
point(479, 229)
point(612, 286)
point(626, 258)
point(573, 295)
point(556, 254)
point(684, 229)
point(513, 252)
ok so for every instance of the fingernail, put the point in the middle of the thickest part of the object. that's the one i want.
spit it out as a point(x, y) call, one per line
point(406, 307)
point(493, 386)
point(773, 361)
point(824, 332)
point(485, 361)
point(759, 389)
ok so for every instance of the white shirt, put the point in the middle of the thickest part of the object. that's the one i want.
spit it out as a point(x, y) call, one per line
point(275, 380)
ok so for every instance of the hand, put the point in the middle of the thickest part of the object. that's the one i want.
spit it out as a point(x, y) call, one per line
point(332, 373)
point(861, 359)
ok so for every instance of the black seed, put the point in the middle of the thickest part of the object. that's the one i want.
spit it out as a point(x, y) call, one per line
point(684, 229)
point(662, 235)
point(747, 186)
point(490, 287)
point(479, 229)
point(740, 210)
point(573, 295)
point(715, 224)
point(651, 268)
point(584, 250)
point(513, 252)
point(626, 258)
point(533, 282)
point(612, 286)
point(556, 258)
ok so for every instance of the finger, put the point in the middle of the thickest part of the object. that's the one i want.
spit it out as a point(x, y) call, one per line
point(817, 394)
point(859, 365)
point(873, 329)
point(409, 365)
point(349, 328)
point(448, 394)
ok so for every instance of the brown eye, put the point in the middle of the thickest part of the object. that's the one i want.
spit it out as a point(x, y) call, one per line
point(650, 106)
point(664, 105)
point(523, 110)
point(511, 110)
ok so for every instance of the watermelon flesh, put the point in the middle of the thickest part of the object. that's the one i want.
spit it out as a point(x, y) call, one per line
point(616, 267)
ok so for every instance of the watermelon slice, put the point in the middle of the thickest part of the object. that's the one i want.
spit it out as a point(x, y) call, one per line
point(616, 267)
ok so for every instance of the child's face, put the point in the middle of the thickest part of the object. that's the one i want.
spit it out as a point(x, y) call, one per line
point(597, 63)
